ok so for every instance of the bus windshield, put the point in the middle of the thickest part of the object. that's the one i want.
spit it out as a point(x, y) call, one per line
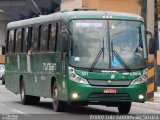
point(108, 44)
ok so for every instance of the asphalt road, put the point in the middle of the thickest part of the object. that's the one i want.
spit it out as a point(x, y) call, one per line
point(12, 109)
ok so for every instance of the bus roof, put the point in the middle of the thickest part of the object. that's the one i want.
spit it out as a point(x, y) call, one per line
point(66, 16)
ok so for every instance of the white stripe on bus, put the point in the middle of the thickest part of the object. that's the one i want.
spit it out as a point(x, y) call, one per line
point(28, 63)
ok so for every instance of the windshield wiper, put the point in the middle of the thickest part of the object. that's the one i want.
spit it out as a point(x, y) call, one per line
point(121, 60)
point(97, 57)
point(119, 57)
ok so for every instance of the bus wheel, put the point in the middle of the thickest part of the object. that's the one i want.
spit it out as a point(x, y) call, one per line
point(27, 99)
point(58, 105)
point(24, 97)
point(124, 108)
point(3, 81)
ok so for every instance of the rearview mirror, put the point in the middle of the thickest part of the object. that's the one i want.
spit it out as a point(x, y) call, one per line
point(151, 47)
point(151, 41)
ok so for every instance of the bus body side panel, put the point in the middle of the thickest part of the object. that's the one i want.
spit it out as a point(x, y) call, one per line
point(41, 68)
point(11, 76)
point(32, 78)
point(37, 71)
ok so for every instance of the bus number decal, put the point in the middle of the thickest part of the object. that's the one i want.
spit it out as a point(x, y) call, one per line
point(49, 66)
point(84, 73)
point(135, 73)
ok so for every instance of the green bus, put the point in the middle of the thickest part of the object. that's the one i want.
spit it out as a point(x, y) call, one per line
point(78, 58)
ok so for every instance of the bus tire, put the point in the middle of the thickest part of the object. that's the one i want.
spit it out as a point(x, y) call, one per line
point(124, 107)
point(3, 81)
point(24, 97)
point(58, 105)
point(27, 99)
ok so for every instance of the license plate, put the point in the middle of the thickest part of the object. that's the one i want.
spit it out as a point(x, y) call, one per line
point(109, 91)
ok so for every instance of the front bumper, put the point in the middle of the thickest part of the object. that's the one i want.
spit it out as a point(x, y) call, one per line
point(95, 95)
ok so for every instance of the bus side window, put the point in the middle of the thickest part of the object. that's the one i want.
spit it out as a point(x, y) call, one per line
point(34, 42)
point(30, 36)
point(25, 40)
point(22, 39)
point(18, 41)
point(44, 38)
point(7, 41)
point(52, 36)
point(39, 36)
point(11, 41)
point(14, 41)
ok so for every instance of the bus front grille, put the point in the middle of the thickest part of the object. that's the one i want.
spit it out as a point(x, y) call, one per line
point(109, 82)
point(109, 97)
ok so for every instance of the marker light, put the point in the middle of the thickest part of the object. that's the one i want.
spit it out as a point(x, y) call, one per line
point(140, 97)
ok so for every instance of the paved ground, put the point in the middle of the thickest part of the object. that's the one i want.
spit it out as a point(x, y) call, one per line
point(10, 107)
point(155, 104)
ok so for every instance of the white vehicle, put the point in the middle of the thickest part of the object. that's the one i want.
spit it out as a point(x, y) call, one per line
point(2, 73)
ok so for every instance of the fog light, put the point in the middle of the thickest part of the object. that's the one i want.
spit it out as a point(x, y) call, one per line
point(74, 95)
point(141, 97)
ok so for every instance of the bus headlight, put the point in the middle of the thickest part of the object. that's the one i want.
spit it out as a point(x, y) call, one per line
point(141, 79)
point(76, 78)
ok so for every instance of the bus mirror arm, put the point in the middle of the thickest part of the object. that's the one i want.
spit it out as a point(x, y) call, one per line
point(67, 43)
point(149, 33)
point(151, 45)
